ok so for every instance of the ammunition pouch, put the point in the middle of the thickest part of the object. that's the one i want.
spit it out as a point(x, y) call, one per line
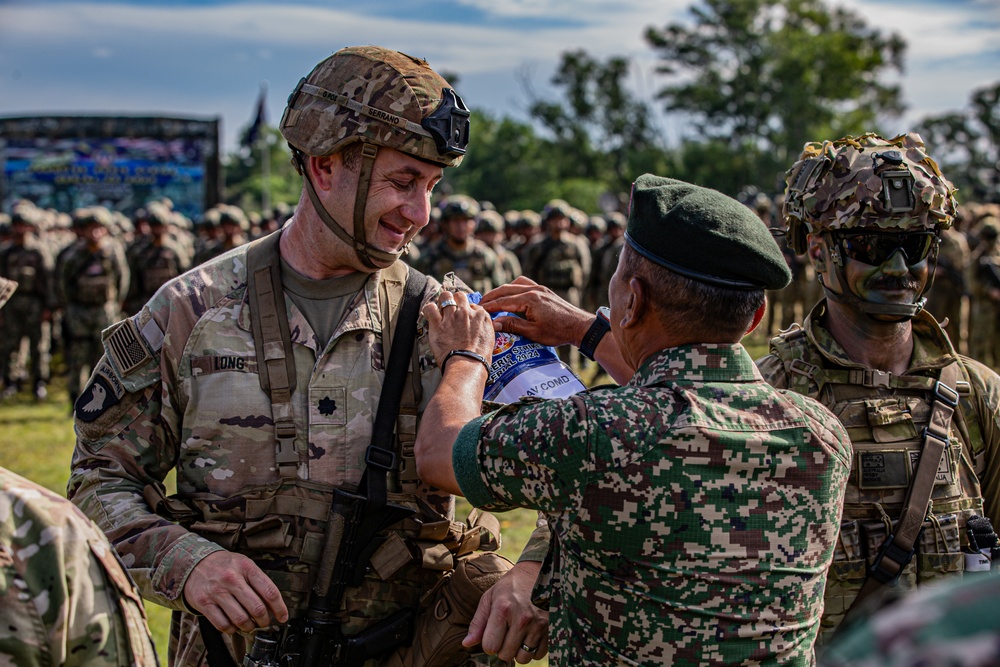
point(446, 611)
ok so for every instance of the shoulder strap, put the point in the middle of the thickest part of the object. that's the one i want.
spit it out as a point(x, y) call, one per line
point(791, 348)
point(899, 547)
point(273, 344)
point(380, 456)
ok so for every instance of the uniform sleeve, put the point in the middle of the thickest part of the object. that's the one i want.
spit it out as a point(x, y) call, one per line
point(773, 370)
point(71, 603)
point(535, 455)
point(127, 442)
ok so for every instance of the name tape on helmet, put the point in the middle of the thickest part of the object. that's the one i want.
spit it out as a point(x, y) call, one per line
point(371, 112)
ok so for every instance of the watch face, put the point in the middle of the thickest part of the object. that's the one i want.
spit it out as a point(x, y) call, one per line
point(604, 312)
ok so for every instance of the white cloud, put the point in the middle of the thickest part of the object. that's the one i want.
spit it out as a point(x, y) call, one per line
point(205, 60)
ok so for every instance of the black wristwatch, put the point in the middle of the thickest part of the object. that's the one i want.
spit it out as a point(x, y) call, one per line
point(595, 333)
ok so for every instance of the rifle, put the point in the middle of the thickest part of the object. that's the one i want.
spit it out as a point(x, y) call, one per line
point(356, 520)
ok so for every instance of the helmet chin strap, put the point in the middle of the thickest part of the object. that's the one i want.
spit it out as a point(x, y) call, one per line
point(370, 256)
point(901, 312)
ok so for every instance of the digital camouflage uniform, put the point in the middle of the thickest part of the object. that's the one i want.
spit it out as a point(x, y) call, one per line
point(694, 511)
point(885, 415)
point(952, 625)
point(64, 597)
point(195, 404)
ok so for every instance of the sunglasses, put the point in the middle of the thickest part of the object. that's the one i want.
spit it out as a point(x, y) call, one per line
point(874, 248)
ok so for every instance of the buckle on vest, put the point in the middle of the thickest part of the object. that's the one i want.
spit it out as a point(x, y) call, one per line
point(945, 394)
point(877, 378)
point(380, 458)
point(802, 368)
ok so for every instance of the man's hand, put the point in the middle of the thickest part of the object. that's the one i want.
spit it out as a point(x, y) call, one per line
point(462, 326)
point(232, 592)
point(547, 318)
point(506, 622)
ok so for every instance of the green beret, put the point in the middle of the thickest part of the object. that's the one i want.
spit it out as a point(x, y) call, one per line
point(704, 235)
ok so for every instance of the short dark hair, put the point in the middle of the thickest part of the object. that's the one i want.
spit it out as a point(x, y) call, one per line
point(685, 304)
point(350, 155)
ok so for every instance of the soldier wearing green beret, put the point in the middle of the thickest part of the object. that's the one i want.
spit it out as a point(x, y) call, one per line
point(923, 419)
point(694, 509)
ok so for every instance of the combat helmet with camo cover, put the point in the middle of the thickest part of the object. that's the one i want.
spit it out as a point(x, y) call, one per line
point(867, 182)
point(377, 97)
point(459, 206)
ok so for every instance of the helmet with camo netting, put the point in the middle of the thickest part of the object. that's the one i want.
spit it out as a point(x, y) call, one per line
point(866, 181)
point(379, 98)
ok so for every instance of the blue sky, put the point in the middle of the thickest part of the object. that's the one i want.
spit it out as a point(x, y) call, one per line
point(208, 58)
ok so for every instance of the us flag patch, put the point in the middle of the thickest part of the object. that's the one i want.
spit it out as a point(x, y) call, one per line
point(126, 348)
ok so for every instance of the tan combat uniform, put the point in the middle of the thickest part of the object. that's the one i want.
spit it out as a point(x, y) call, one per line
point(885, 416)
point(178, 388)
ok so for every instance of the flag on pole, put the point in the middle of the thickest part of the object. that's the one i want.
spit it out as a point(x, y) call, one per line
point(253, 132)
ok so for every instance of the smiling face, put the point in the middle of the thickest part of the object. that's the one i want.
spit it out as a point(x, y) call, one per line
point(398, 204)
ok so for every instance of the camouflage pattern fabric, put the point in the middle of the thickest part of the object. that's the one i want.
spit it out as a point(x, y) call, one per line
point(178, 388)
point(844, 190)
point(478, 266)
point(950, 625)
point(64, 597)
point(694, 511)
point(885, 417)
point(369, 94)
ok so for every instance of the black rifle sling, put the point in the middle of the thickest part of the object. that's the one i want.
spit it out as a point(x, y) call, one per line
point(380, 456)
point(899, 547)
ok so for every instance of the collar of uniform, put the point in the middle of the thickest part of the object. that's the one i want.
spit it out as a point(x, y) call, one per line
point(363, 314)
point(706, 362)
point(931, 347)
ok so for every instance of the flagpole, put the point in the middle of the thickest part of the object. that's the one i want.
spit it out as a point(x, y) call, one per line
point(265, 162)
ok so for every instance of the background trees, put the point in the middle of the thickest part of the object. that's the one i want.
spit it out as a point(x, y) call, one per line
point(750, 80)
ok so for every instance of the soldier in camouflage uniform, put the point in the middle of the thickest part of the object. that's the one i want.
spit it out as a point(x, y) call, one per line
point(984, 336)
point(868, 211)
point(26, 261)
point(234, 227)
point(490, 230)
point(459, 252)
point(64, 597)
point(93, 281)
point(262, 421)
point(157, 261)
point(950, 289)
point(694, 510)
